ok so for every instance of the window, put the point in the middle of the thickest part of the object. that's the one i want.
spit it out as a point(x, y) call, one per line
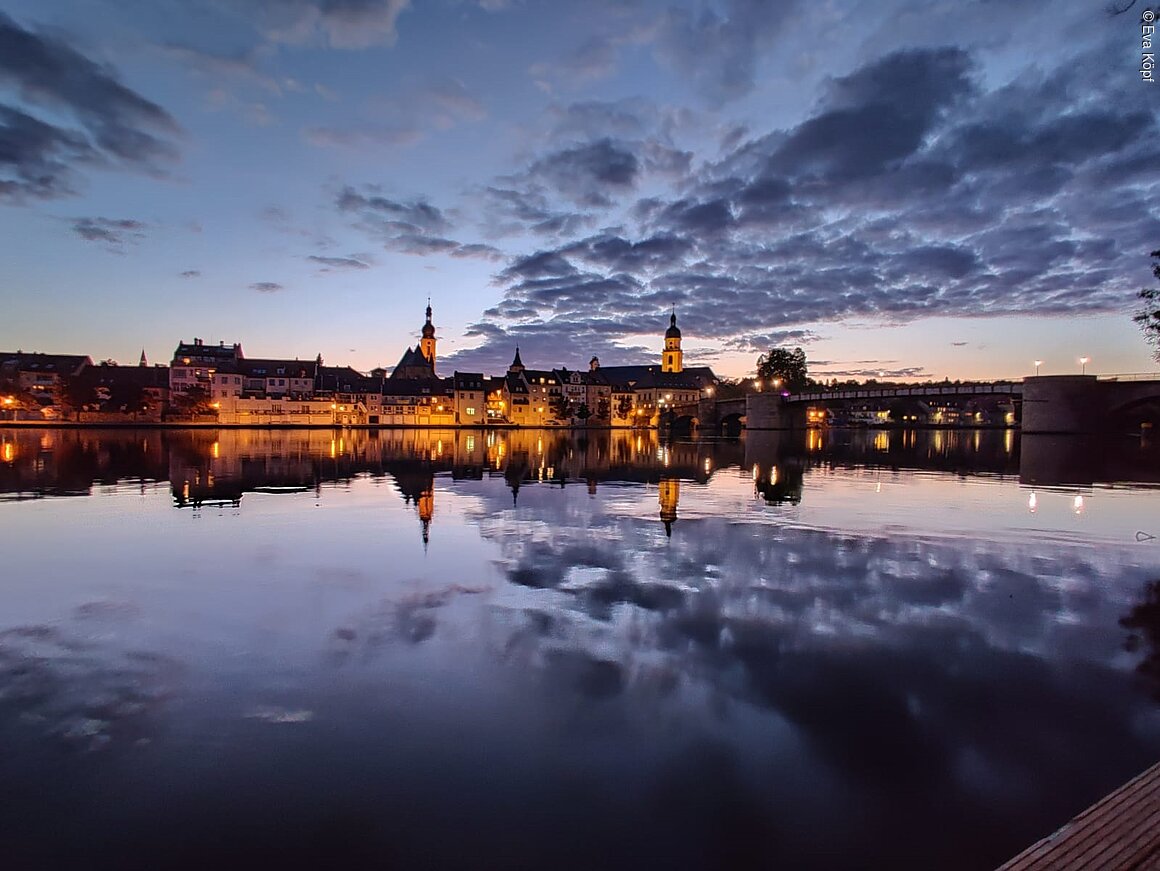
point(471, 412)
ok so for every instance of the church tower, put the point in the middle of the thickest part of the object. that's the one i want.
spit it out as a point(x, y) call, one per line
point(672, 360)
point(427, 343)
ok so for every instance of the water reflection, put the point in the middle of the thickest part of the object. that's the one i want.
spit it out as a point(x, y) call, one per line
point(875, 649)
point(1143, 621)
point(221, 465)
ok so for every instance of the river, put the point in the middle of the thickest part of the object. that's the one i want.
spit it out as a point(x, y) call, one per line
point(543, 649)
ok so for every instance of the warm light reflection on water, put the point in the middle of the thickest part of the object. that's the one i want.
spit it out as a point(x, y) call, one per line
point(835, 649)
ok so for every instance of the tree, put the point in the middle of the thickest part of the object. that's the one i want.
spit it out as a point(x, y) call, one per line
point(789, 367)
point(603, 407)
point(561, 407)
point(195, 400)
point(1148, 317)
point(624, 407)
point(583, 412)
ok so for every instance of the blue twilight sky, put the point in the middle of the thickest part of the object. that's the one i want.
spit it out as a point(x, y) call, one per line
point(918, 189)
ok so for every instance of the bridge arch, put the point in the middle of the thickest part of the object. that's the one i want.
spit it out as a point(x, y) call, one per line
point(731, 424)
point(1135, 412)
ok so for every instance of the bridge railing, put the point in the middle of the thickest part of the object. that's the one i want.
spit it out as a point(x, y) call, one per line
point(1131, 376)
point(1002, 387)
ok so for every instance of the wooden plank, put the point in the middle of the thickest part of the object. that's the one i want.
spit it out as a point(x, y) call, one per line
point(1107, 822)
point(1122, 830)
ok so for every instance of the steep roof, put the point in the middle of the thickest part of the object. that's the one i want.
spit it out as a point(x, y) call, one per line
point(644, 377)
point(121, 376)
point(469, 381)
point(413, 365)
point(58, 364)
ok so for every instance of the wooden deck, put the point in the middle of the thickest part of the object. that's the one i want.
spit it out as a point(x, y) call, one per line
point(1121, 831)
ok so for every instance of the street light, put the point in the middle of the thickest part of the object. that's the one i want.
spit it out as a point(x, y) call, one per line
point(1038, 363)
point(1083, 361)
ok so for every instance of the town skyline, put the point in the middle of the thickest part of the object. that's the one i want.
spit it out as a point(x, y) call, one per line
point(923, 204)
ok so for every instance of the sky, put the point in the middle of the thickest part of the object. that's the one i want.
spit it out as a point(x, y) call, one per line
point(903, 189)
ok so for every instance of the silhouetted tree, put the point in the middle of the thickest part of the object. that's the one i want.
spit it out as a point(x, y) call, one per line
point(602, 408)
point(561, 407)
point(787, 366)
point(1143, 621)
point(1148, 317)
point(624, 407)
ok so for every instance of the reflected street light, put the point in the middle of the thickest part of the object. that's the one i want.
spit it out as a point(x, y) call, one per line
point(1038, 363)
point(1083, 361)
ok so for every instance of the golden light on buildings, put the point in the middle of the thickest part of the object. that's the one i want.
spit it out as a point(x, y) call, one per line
point(9, 452)
point(217, 405)
point(216, 450)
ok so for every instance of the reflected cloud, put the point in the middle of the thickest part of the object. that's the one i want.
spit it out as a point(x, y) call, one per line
point(79, 691)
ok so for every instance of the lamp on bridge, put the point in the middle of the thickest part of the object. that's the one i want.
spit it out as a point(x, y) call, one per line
point(1083, 361)
point(1038, 363)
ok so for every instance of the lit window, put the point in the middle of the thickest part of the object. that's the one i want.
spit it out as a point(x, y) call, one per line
point(471, 412)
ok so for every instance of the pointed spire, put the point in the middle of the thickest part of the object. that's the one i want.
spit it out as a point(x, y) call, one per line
point(517, 364)
point(144, 362)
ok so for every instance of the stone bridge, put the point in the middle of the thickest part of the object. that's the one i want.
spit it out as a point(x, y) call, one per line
point(1050, 404)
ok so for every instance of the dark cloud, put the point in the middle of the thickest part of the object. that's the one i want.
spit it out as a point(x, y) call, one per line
point(37, 159)
point(112, 231)
point(191, 273)
point(338, 262)
point(266, 286)
point(587, 174)
point(413, 227)
point(121, 124)
point(910, 191)
point(405, 216)
point(119, 127)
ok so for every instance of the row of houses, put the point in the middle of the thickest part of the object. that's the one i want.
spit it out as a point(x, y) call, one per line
point(220, 382)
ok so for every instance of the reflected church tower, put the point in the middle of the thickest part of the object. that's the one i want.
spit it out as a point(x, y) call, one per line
point(426, 506)
point(670, 496)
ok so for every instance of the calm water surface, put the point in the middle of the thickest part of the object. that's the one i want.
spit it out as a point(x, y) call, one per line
point(535, 649)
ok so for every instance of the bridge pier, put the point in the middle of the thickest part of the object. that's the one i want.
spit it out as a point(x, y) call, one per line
point(1073, 404)
point(771, 411)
